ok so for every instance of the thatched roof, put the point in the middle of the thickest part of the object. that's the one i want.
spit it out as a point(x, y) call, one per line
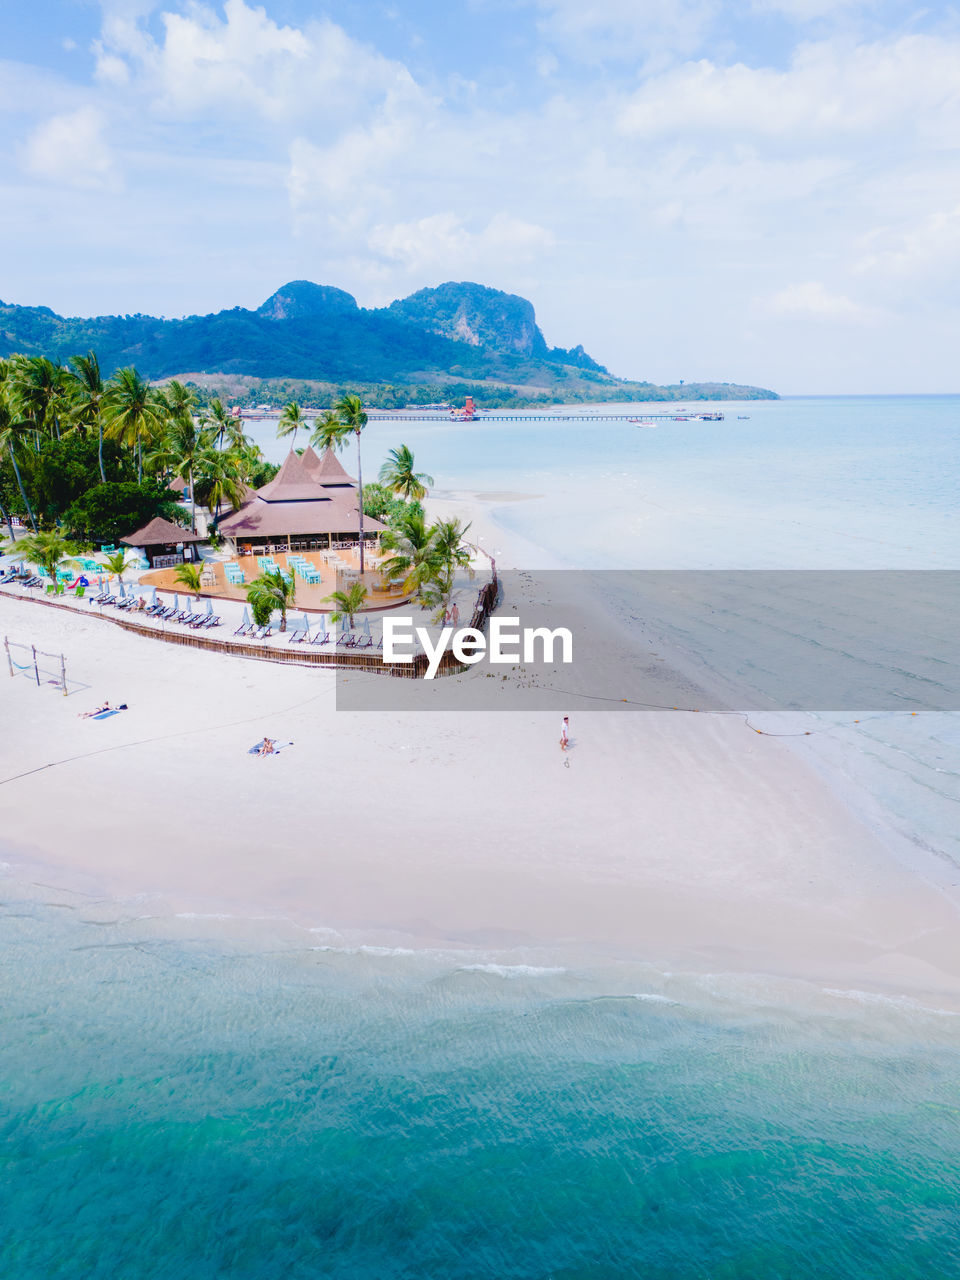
point(160, 533)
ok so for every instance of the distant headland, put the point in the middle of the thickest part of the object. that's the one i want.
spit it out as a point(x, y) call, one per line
point(308, 339)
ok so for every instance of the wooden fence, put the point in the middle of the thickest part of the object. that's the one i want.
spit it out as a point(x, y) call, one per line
point(344, 659)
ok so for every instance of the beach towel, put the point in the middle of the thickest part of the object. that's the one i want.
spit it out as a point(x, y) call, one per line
point(277, 746)
point(105, 715)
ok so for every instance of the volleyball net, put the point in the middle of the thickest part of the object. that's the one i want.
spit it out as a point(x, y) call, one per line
point(36, 664)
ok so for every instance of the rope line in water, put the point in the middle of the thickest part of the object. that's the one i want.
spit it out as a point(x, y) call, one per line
point(742, 715)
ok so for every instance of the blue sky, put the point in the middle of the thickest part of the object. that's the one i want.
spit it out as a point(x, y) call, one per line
point(764, 191)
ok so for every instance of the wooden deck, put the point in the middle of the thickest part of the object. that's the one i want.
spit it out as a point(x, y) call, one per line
point(309, 598)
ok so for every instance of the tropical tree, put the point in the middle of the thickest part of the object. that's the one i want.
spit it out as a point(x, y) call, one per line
point(219, 478)
point(350, 411)
point(185, 446)
point(48, 550)
point(12, 433)
point(227, 426)
point(329, 432)
point(451, 553)
point(118, 562)
point(415, 558)
point(86, 390)
point(39, 388)
point(274, 589)
point(348, 602)
point(134, 411)
point(398, 475)
point(291, 420)
point(189, 575)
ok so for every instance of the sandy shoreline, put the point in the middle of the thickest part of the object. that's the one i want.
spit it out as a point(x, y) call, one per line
point(680, 840)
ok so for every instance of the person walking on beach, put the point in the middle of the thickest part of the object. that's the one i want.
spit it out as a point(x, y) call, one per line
point(564, 733)
point(454, 614)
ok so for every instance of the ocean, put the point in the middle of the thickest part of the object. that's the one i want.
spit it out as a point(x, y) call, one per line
point(181, 1101)
point(198, 1097)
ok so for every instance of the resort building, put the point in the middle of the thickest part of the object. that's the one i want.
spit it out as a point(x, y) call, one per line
point(311, 504)
point(163, 542)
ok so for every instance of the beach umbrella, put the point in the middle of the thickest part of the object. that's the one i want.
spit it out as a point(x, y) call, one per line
point(366, 627)
point(209, 607)
point(176, 602)
point(245, 620)
point(154, 600)
point(306, 624)
point(344, 623)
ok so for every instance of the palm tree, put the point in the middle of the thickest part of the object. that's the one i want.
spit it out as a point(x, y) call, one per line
point(178, 400)
point(291, 420)
point(48, 550)
point(184, 446)
point(228, 426)
point(415, 557)
point(352, 416)
point(39, 387)
point(189, 575)
point(219, 477)
point(118, 563)
point(87, 390)
point(452, 553)
point(398, 475)
point(133, 411)
point(329, 432)
point(348, 602)
point(11, 433)
point(271, 589)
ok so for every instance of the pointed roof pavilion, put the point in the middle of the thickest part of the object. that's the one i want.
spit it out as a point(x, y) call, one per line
point(160, 533)
point(309, 496)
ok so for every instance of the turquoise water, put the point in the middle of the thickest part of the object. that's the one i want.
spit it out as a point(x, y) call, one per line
point(180, 1105)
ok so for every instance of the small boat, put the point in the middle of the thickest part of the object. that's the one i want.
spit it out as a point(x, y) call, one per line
point(743, 417)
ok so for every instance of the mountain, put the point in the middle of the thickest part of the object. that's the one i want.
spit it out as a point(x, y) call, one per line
point(461, 332)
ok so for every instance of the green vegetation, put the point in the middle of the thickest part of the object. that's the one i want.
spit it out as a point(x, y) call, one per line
point(94, 458)
point(49, 550)
point(426, 557)
point(438, 344)
point(399, 476)
point(348, 602)
point(189, 575)
point(269, 592)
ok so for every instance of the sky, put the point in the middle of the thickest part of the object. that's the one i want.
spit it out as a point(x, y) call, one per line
point(759, 191)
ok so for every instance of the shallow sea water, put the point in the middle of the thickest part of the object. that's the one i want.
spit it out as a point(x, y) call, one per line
point(181, 1099)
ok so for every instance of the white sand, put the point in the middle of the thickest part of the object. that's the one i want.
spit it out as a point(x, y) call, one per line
point(687, 840)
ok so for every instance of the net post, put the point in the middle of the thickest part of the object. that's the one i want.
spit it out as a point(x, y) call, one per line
point(63, 674)
point(6, 645)
point(36, 669)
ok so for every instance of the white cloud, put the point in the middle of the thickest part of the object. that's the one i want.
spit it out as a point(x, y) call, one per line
point(626, 29)
point(441, 242)
point(830, 94)
point(927, 254)
point(70, 149)
point(811, 299)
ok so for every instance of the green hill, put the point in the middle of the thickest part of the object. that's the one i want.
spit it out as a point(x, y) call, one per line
point(457, 333)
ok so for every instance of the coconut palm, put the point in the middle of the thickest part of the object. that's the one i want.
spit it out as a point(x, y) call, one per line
point(228, 426)
point(178, 400)
point(274, 590)
point(415, 558)
point(351, 414)
point(220, 479)
point(49, 551)
point(398, 475)
point(348, 602)
point(189, 575)
point(134, 411)
point(451, 553)
point(118, 562)
point(185, 446)
point(12, 433)
point(291, 420)
point(86, 389)
point(39, 388)
point(329, 432)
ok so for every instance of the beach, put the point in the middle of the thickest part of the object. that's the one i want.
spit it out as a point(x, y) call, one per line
point(681, 840)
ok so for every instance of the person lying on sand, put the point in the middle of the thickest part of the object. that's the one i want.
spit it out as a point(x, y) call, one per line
point(85, 715)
